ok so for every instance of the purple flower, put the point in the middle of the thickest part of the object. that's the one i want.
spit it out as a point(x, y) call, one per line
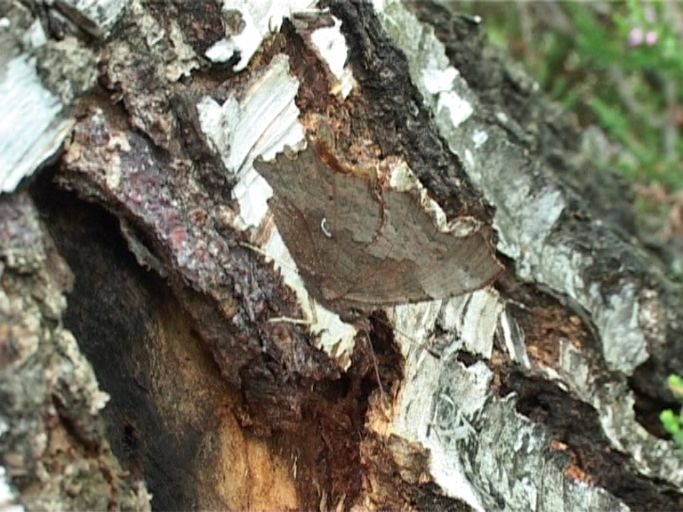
point(636, 37)
point(651, 38)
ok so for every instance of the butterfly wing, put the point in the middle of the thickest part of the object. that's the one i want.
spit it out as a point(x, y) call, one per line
point(356, 252)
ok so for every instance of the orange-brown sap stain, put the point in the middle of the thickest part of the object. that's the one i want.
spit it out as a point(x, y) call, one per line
point(544, 329)
point(249, 474)
point(573, 471)
point(232, 469)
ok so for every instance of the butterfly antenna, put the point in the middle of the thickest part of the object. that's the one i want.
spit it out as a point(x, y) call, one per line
point(290, 320)
point(376, 366)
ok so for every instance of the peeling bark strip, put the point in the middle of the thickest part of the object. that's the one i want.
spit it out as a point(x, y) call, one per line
point(238, 355)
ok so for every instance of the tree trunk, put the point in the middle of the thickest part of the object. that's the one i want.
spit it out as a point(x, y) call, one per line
point(314, 259)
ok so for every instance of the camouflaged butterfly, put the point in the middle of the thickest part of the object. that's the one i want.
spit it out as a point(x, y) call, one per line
point(359, 246)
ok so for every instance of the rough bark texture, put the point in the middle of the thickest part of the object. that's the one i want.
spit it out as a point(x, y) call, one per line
point(537, 392)
point(54, 448)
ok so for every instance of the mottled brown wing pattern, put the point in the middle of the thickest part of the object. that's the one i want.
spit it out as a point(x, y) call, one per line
point(356, 250)
point(447, 265)
point(298, 235)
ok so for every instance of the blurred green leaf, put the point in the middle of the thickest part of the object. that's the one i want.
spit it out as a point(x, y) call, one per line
point(670, 421)
point(595, 71)
point(675, 384)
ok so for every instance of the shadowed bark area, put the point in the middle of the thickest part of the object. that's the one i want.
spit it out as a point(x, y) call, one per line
point(172, 419)
point(248, 366)
point(125, 318)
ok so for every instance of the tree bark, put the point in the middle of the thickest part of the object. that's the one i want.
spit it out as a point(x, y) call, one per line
point(334, 258)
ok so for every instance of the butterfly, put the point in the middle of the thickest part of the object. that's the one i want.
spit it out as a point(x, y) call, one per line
point(359, 245)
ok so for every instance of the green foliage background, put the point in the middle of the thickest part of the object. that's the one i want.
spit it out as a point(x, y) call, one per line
point(617, 65)
point(582, 54)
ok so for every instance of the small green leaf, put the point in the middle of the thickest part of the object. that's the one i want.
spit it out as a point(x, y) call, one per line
point(669, 421)
point(675, 384)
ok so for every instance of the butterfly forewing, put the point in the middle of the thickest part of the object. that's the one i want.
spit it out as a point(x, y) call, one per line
point(360, 249)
